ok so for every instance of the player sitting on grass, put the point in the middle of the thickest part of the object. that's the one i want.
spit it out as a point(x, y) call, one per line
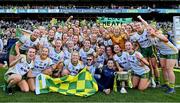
point(16, 75)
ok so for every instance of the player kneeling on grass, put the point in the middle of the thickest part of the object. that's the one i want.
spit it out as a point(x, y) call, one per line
point(18, 69)
point(72, 66)
point(105, 83)
point(123, 75)
point(140, 78)
point(57, 56)
point(42, 64)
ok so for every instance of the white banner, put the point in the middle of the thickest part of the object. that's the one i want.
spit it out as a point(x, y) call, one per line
point(176, 29)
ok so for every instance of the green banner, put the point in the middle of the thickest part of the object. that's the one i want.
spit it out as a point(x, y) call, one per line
point(113, 21)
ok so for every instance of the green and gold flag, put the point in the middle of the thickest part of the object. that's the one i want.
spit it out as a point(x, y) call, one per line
point(83, 84)
point(18, 32)
point(53, 21)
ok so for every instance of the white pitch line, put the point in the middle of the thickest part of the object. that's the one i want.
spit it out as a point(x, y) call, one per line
point(177, 86)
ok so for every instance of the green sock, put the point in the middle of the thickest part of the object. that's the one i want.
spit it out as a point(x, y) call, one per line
point(166, 82)
point(151, 75)
point(157, 79)
point(171, 85)
point(9, 85)
point(130, 83)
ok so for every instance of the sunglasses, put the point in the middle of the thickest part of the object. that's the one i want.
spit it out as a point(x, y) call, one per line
point(89, 59)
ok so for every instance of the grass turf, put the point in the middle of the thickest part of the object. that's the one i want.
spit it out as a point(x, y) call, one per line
point(150, 95)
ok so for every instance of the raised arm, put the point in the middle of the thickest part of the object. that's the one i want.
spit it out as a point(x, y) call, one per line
point(15, 61)
point(68, 20)
point(17, 47)
point(143, 21)
point(157, 34)
point(161, 37)
point(26, 32)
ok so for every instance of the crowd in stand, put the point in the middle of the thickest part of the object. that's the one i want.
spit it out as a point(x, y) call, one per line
point(72, 6)
point(7, 27)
